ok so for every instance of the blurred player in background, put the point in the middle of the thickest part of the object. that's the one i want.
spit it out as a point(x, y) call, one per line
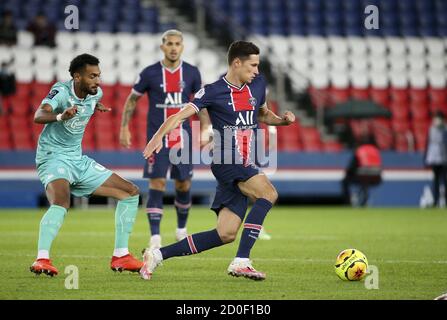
point(435, 156)
point(63, 169)
point(170, 84)
point(235, 103)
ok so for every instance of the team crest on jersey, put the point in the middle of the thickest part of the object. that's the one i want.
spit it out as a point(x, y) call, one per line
point(52, 94)
point(252, 101)
point(182, 84)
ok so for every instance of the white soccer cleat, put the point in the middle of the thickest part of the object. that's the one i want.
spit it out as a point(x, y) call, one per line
point(244, 269)
point(180, 234)
point(150, 262)
point(263, 235)
point(442, 297)
point(155, 242)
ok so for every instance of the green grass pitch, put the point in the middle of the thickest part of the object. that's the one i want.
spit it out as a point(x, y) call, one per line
point(408, 246)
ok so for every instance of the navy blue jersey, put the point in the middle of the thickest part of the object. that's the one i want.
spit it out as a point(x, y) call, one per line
point(168, 91)
point(233, 113)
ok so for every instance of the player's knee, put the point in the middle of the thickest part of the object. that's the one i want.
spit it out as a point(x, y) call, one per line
point(183, 186)
point(158, 184)
point(271, 195)
point(61, 203)
point(227, 236)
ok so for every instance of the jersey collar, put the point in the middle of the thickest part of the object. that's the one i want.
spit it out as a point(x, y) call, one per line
point(232, 85)
point(170, 70)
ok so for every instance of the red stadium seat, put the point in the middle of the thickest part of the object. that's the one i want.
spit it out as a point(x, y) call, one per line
point(383, 133)
point(380, 96)
point(419, 109)
point(418, 95)
point(332, 146)
point(437, 95)
point(20, 107)
point(400, 126)
point(399, 109)
point(339, 95)
point(399, 94)
point(360, 93)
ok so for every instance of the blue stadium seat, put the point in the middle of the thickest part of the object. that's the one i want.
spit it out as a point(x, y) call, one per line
point(409, 31)
point(352, 5)
point(276, 30)
point(147, 27)
point(130, 14)
point(335, 30)
point(315, 30)
point(442, 30)
point(255, 5)
point(428, 31)
point(131, 3)
point(105, 26)
point(314, 6)
point(408, 20)
point(258, 29)
point(333, 5)
point(354, 30)
point(166, 26)
point(390, 31)
point(294, 5)
point(298, 29)
point(314, 19)
point(427, 18)
point(333, 18)
point(149, 14)
point(87, 25)
point(126, 26)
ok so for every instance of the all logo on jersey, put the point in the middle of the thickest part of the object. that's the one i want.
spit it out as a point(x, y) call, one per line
point(245, 118)
point(173, 98)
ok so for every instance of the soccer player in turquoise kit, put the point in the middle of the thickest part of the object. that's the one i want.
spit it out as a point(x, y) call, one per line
point(63, 169)
point(235, 103)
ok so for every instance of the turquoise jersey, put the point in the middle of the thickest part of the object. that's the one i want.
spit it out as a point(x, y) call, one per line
point(63, 139)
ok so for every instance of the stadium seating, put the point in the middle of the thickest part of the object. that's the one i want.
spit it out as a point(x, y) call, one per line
point(401, 66)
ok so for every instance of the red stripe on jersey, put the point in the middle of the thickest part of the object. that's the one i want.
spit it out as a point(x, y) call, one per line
point(191, 244)
point(172, 86)
point(241, 99)
point(243, 144)
point(172, 80)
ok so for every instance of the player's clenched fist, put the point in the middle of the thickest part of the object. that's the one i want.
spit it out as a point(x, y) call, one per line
point(288, 117)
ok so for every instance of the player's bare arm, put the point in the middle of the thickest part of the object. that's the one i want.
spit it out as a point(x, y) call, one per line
point(206, 129)
point(268, 117)
point(129, 108)
point(44, 114)
point(171, 123)
point(102, 108)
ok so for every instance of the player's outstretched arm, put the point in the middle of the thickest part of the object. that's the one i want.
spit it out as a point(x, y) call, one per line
point(270, 118)
point(102, 108)
point(171, 123)
point(128, 110)
point(44, 114)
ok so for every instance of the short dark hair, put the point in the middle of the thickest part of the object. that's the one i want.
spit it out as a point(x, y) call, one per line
point(242, 50)
point(80, 62)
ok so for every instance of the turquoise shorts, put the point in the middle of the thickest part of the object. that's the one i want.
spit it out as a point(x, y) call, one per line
point(84, 175)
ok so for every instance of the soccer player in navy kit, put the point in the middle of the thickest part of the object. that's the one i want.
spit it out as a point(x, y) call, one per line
point(236, 102)
point(170, 84)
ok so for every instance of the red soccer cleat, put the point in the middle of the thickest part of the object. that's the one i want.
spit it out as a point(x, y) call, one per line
point(125, 263)
point(43, 266)
point(245, 269)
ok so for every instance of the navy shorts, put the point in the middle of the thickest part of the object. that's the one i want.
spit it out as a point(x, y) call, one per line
point(227, 192)
point(158, 164)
